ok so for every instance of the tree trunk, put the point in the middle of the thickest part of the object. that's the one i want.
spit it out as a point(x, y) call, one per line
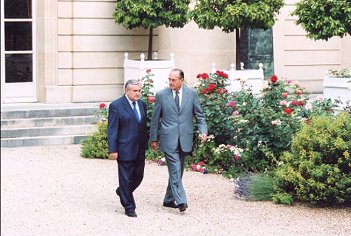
point(149, 50)
point(237, 53)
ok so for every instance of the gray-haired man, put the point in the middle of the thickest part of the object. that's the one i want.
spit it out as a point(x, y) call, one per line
point(127, 142)
point(175, 108)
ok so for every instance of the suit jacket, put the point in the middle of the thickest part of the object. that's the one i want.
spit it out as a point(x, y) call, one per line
point(174, 125)
point(125, 135)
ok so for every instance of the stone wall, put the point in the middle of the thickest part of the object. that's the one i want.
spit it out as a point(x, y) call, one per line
point(81, 49)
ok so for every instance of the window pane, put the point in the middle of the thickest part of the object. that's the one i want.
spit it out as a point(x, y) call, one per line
point(18, 8)
point(18, 68)
point(18, 36)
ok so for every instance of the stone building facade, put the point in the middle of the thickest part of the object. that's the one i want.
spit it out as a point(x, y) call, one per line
point(71, 51)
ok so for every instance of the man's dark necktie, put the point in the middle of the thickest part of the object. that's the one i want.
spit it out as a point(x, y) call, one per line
point(136, 112)
point(176, 99)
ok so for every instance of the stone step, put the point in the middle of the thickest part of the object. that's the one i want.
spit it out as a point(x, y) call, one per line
point(43, 140)
point(41, 113)
point(47, 131)
point(46, 124)
point(49, 121)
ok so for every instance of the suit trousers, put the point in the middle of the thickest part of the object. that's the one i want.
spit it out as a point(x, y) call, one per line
point(176, 164)
point(130, 175)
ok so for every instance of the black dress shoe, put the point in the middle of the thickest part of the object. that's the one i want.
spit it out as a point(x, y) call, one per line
point(182, 207)
point(170, 204)
point(131, 214)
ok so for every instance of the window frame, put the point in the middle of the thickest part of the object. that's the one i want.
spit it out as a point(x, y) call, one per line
point(34, 84)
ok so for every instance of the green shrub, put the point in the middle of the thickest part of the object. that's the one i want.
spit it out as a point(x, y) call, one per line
point(282, 198)
point(318, 168)
point(95, 146)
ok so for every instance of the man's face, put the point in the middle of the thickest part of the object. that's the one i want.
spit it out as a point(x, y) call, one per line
point(174, 81)
point(133, 91)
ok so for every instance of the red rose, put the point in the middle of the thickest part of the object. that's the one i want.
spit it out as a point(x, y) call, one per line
point(295, 103)
point(221, 74)
point(199, 76)
point(284, 95)
point(288, 110)
point(204, 76)
point(274, 79)
point(231, 104)
point(301, 103)
point(211, 87)
point(203, 91)
point(298, 92)
point(148, 71)
point(102, 105)
point(151, 99)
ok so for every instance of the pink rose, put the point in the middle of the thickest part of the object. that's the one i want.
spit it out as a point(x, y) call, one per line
point(151, 99)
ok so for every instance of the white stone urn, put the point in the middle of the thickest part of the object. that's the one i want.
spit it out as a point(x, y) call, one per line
point(337, 88)
point(136, 69)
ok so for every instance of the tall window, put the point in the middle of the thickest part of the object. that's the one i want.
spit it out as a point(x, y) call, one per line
point(18, 41)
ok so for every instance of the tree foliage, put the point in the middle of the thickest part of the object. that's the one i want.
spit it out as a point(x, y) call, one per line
point(323, 19)
point(230, 15)
point(150, 14)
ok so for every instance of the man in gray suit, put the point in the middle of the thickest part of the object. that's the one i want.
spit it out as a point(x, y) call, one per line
point(173, 115)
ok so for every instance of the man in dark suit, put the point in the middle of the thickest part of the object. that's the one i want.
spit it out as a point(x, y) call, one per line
point(127, 142)
point(175, 108)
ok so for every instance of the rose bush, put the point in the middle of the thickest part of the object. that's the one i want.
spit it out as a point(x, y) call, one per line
point(214, 98)
point(262, 126)
point(147, 94)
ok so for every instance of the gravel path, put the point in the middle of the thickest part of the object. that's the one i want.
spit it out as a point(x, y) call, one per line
point(51, 190)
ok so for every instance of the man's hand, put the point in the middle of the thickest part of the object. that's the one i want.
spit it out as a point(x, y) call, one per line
point(203, 137)
point(113, 156)
point(154, 145)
